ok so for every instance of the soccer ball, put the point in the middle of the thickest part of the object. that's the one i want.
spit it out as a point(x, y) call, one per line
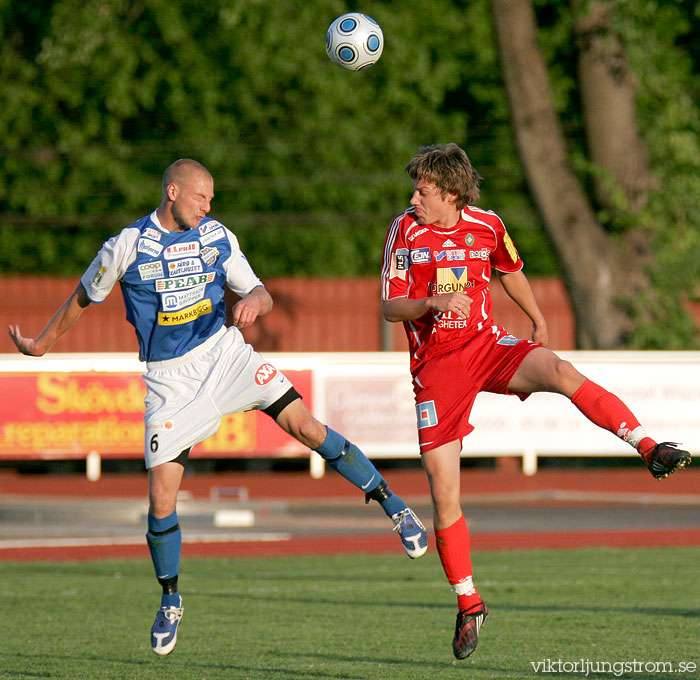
point(354, 41)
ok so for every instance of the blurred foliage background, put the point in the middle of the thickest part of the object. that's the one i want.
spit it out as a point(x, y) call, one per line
point(97, 97)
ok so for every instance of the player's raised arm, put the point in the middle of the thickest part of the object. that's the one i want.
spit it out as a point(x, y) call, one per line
point(66, 315)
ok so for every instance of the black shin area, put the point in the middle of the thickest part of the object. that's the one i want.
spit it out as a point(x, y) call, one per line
point(380, 493)
point(169, 585)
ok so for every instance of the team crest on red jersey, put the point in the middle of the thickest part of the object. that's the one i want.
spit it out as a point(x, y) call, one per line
point(440, 263)
point(265, 374)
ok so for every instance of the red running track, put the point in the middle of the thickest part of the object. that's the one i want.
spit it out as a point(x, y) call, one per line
point(411, 484)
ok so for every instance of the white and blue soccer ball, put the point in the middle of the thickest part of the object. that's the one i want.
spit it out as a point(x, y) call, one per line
point(354, 41)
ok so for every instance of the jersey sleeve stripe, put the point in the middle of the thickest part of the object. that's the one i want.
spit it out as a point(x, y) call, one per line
point(391, 237)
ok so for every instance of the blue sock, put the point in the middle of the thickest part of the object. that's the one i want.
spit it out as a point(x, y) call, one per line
point(346, 459)
point(393, 504)
point(165, 542)
point(171, 600)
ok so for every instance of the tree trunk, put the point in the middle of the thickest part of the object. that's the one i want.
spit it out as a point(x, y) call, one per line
point(607, 89)
point(597, 275)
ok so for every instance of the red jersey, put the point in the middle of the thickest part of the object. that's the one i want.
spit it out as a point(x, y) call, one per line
point(422, 260)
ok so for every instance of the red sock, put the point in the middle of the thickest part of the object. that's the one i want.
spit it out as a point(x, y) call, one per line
point(607, 411)
point(453, 548)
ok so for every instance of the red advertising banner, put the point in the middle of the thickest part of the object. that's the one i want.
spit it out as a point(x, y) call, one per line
point(69, 414)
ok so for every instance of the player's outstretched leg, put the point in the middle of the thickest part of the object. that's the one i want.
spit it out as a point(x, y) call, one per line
point(666, 458)
point(406, 523)
point(607, 411)
point(165, 542)
point(347, 459)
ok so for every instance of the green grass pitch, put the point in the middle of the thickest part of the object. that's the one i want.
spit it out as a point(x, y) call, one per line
point(354, 617)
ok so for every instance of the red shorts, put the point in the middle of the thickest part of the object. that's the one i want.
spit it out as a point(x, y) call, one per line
point(446, 385)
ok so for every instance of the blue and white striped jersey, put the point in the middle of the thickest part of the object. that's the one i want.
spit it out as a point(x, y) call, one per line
point(172, 282)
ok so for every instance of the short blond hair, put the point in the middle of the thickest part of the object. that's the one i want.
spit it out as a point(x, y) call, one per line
point(448, 167)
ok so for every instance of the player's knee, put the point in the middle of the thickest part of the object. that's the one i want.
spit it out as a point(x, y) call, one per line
point(445, 495)
point(162, 500)
point(161, 506)
point(566, 376)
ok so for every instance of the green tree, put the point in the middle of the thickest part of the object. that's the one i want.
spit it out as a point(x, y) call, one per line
point(307, 158)
point(621, 242)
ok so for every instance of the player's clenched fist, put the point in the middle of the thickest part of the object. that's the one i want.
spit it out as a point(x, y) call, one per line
point(457, 303)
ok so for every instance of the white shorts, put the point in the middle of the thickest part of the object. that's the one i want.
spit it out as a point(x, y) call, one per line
point(187, 397)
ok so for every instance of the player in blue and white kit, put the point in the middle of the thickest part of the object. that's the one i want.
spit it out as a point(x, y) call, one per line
point(172, 266)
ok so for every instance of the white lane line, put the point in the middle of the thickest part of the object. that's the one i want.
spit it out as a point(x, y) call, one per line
point(93, 541)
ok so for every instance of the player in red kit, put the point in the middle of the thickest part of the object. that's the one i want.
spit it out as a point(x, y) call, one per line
point(439, 258)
